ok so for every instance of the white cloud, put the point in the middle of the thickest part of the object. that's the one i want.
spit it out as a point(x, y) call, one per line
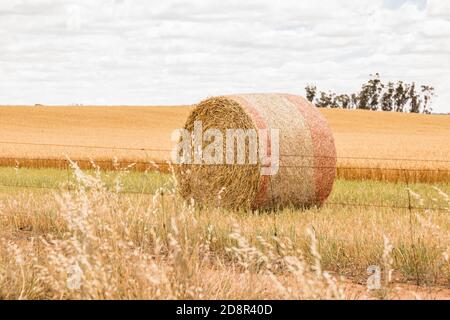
point(170, 52)
point(438, 8)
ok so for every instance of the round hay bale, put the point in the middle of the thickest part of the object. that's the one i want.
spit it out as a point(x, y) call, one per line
point(305, 146)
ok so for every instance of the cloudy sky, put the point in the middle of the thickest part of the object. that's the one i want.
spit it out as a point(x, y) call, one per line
point(178, 52)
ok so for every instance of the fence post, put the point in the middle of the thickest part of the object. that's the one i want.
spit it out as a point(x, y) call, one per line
point(411, 230)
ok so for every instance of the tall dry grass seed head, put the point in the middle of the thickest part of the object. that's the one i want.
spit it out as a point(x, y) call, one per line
point(426, 222)
point(93, 241)
point(286, 267)
point(97, 241)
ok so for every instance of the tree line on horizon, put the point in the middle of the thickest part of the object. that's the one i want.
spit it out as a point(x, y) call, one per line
point(377, 96)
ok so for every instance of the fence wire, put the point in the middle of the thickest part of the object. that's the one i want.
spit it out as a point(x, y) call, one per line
point(153, 149)
point(163, 166)
point(151, 164)
point(327, 203)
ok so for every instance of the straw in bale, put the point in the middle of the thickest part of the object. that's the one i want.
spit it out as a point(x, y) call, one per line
point(307, 155)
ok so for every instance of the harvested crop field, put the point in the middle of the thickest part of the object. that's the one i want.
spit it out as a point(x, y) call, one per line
point(130, 235)
point(369, 144)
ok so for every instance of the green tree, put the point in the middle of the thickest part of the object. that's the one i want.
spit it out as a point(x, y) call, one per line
point(343, 101)
point(375, 89)
point(364, 97)
point(387, 99)
point(428, 94)
point(325, 100)
point(354, 100)
point(310, 92)
point(401, 96)
point(375, 95)
point(414, 99)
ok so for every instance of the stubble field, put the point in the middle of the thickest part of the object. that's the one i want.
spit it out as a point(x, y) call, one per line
point(125, 233)
point(372, 145)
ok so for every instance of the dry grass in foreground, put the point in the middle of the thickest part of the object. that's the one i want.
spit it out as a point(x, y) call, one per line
point(95, 243)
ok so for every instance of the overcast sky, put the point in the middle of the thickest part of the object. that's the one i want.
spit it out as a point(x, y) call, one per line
point(178, 52)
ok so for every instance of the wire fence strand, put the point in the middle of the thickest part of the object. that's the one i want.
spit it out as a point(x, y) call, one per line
point(158, 149)
point(18, 161)
point(327, 203)
point(160, 165)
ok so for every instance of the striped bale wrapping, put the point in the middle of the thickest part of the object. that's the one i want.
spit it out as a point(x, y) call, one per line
point(307, 161)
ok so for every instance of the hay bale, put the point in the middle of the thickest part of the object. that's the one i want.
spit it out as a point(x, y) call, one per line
point(307, 155)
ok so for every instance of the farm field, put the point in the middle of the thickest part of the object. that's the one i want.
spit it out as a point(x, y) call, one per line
point(118, 225)
point(370, 145)
point(294, 150)
point(126, 221)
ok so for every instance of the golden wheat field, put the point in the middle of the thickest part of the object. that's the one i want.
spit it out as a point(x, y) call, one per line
point(375, 145)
